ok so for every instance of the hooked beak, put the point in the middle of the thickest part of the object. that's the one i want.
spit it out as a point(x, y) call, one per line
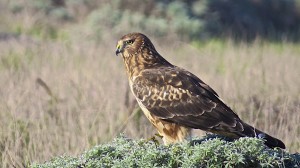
point(119, 49)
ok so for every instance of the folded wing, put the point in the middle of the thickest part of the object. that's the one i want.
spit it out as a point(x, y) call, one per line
point(178, 96)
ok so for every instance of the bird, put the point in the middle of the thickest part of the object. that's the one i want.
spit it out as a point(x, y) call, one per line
point(176, 101)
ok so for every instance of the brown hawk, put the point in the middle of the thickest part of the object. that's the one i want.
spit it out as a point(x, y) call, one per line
point(175, 100)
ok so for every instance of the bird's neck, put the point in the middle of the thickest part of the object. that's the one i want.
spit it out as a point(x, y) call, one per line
point(137, 63)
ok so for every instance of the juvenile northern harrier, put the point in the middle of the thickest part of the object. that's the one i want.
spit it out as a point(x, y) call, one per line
point(175, 100)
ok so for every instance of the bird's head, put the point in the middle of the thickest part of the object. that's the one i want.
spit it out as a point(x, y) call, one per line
point(138, 53)
point(133, 44)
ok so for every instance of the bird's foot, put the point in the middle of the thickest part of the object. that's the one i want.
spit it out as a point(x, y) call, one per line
point(154, 139)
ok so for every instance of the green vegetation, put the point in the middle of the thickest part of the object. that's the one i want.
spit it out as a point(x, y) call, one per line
point(210, 151)
point(192, 19)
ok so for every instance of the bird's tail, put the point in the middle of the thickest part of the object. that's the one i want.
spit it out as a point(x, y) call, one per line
point(269, 140)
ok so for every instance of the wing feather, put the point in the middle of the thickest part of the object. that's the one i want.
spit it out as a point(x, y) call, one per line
point(178, 96)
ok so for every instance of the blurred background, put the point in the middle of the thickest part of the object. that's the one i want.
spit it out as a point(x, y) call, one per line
point(63, 90)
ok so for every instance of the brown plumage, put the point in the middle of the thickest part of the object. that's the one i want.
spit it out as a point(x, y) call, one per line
point(175, 100)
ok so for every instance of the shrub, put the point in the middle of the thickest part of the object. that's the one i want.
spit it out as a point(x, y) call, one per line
point(211, 151)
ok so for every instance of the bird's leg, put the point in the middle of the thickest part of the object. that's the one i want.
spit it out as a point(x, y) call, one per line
point(154, 139)
point(158, 135)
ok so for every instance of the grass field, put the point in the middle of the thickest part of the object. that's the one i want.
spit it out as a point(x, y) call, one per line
point(62, 91)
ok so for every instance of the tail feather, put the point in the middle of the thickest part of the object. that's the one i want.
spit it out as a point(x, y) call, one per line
point(269, 140)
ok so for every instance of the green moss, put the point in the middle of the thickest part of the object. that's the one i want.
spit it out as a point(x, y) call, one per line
point(210, 151)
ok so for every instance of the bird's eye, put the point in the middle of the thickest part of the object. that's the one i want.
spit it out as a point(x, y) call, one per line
point(129, 41)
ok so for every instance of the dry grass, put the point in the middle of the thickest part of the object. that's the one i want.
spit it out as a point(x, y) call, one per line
point(88, 105)
point(64, 96)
